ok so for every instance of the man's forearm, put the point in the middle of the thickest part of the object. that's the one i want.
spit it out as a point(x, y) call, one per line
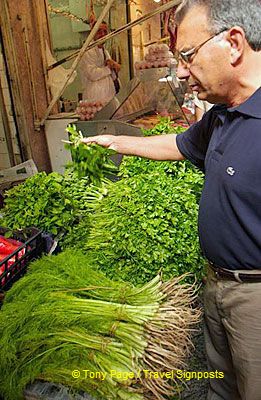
point(162, 147)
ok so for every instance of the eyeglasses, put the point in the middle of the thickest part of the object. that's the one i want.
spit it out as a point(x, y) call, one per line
point(186, 56)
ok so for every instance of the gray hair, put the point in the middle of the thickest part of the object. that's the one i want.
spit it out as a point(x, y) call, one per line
point(223, 14)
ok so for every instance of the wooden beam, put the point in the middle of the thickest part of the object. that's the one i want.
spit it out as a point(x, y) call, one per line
point(42, 15)
point(9, 48)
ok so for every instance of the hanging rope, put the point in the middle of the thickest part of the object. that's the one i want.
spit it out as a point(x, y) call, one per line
point(66, 14)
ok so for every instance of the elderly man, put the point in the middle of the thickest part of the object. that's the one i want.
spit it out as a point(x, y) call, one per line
point(219, 46)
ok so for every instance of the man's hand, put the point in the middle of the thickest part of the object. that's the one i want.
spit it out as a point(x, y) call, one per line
point(109, 141)
point(113, 65)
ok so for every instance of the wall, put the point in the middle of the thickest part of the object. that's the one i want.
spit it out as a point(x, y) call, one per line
point(148, 31)
point(65, 41)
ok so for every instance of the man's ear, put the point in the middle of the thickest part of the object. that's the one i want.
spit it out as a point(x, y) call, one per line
point(237, 39)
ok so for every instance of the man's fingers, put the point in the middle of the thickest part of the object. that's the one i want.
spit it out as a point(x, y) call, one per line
point(89, 140)
point(101, 140)
point(113, 147)
point(104, 140)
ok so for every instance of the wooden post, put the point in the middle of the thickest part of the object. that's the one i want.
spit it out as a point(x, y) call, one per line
point(42, 15)
point(7, 131)
point(13, 69)
point(141, 45)
point(21, 29)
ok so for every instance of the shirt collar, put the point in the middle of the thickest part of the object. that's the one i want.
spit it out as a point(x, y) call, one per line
point(220, 110)
point(251, 107)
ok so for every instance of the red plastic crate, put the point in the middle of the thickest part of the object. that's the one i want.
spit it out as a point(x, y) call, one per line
point(15, 264)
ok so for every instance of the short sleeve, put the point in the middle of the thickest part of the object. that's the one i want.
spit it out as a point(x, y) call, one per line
point(193, 143)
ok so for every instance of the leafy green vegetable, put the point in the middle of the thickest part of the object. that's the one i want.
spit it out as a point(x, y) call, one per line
point(90, 161)
point(183, 170)
point(64, 315)
point(50, 202)
point(145, 224)
point(61, 203)
point(162, 128)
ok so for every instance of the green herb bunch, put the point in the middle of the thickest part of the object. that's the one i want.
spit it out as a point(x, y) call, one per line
point(90, 161)
point(183, 170)
point(52, 202)
point(178, 170)
point(64, 315)
point(145, 224)
point(163, 127)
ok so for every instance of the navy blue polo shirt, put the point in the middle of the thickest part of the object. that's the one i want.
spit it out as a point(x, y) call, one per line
point(226, 145)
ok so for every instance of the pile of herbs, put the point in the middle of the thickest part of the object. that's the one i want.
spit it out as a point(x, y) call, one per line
point(148, 220)
point(64, 315)
point(183, 170)
point(145, 224)
point(52, 202)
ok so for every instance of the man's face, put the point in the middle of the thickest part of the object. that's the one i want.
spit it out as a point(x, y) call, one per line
point(208, 71)
point(102, 31)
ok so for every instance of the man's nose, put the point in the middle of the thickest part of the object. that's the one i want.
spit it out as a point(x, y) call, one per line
point(182, 71)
